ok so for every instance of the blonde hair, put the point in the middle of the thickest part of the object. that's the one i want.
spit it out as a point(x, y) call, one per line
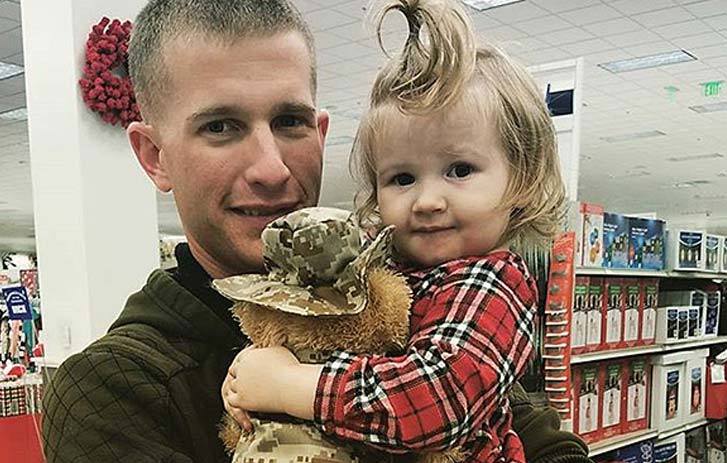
point(423, 80)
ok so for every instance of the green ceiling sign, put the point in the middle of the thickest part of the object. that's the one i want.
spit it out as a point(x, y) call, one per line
point(711, 88)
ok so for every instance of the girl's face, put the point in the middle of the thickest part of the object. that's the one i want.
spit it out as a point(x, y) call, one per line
point(441, 181)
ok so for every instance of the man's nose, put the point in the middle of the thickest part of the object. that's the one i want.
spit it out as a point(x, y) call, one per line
point(267, 167)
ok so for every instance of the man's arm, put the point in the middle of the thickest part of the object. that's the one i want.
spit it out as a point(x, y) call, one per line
point(539, 430)
point(101, 406)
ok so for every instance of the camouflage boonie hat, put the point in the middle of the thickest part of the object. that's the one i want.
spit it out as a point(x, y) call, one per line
point(315, 265)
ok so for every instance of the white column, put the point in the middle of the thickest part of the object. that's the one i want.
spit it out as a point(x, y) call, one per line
point(95, 210)
point(565, 75)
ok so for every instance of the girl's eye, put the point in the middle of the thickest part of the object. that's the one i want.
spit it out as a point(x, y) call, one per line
point(403, 179)
point(459, 170)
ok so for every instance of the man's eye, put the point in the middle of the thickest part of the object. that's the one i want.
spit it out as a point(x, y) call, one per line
point(403, 179)
point(459, 170)
point(218, 127)
point(289, 121)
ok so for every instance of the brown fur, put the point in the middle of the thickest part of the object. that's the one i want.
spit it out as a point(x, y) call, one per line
point(382, 327)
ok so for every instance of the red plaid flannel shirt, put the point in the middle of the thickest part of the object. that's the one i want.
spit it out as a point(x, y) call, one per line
point(472, 326)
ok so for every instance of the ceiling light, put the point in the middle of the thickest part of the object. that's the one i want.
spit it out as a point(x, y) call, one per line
point(695, 157)
point(8, 70)
point(633, 136)
point(650, 61)
point(689, 184)
point(710, 108)
point(695, 212)
point(18, 114)
point(482, 5)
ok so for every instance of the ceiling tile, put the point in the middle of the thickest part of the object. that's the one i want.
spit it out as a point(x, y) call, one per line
point(631, 7)
point(10, 10)
point(321, 20)
point(543, 25)
point(12, 86)
point(15, 59)
point(504, 33)
point(630, 38)
point(570, 35)
point(682, 29)
point(587, 47)
point(663, 17)
point(613, 27)
point(590, 15)
point(517, 12)
point(718, 23)
point(707, 8)
point(701, 40)
point(559, 6)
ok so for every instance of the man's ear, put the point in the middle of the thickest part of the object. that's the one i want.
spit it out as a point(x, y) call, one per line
point(141, 137)
point(324, 119)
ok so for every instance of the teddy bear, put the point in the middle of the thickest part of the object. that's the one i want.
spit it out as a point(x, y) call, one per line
point(322, 292)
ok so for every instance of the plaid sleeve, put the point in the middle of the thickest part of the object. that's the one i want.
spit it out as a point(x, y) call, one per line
point(473, 343)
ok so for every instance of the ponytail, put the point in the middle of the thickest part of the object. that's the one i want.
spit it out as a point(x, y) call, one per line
point(426, 77)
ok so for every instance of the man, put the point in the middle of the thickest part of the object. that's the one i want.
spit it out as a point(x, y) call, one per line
point(227, 92)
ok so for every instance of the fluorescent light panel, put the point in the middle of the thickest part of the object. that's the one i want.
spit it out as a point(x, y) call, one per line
point(8, 70)
point(650, 61)
point(633, 136)
point(482, 5)
point(19, 114)
point(696, 157)
point(710, 108)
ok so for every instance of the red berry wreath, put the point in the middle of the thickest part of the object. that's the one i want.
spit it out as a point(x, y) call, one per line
point(105, 92)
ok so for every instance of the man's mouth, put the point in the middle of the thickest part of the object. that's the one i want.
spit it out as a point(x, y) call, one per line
point(265, 211)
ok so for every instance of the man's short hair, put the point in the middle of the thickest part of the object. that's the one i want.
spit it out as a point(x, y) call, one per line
point(162, 21)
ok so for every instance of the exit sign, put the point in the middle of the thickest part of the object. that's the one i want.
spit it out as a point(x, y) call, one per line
point(711, 88)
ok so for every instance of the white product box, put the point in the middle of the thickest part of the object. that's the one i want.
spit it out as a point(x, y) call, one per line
point(667, 325)
point(712, 313)
point(668, 398)
point(686, 249)
point(592, 234)
point(711, 253)
point(695, 298)
point(694, 391)
point(670, 450)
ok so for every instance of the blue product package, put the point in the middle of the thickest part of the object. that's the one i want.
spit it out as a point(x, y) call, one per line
point(640, 452)
point(615, 240)
point(666, 452)
point(646, 243)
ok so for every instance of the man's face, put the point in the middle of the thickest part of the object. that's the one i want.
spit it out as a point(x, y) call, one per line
point(240, 143)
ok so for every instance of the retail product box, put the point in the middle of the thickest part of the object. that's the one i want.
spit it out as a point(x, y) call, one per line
point(613, 316)
point(723, 255)
point(580, 315)
point(615, 240)
point(636, 396)
point(686, 249)
point(591, 235)
point(667, 396)
point(696, 377)
point(683, 322)
point(697, 300)
point(646, 243)
point(587, 397)
point(711, 253)
point(595, 314)
point(667, 325)
point(633, 313)
point(611, 424)
point(670, 450)
point(696, 445)
point(712, 313)
point(640, 452)
point(715, 403)
point(650, 295)
point(716, 442)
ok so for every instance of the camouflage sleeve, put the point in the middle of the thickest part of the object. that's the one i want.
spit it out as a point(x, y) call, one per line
point(101, 406)
point(450, 387)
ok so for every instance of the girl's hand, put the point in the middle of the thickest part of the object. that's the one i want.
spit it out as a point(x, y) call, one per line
point(269, 380)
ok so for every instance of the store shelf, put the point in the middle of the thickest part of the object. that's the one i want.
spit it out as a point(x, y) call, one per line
point(628, 272)
point(623, 440)
point(685, 428)
point(645, 350)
